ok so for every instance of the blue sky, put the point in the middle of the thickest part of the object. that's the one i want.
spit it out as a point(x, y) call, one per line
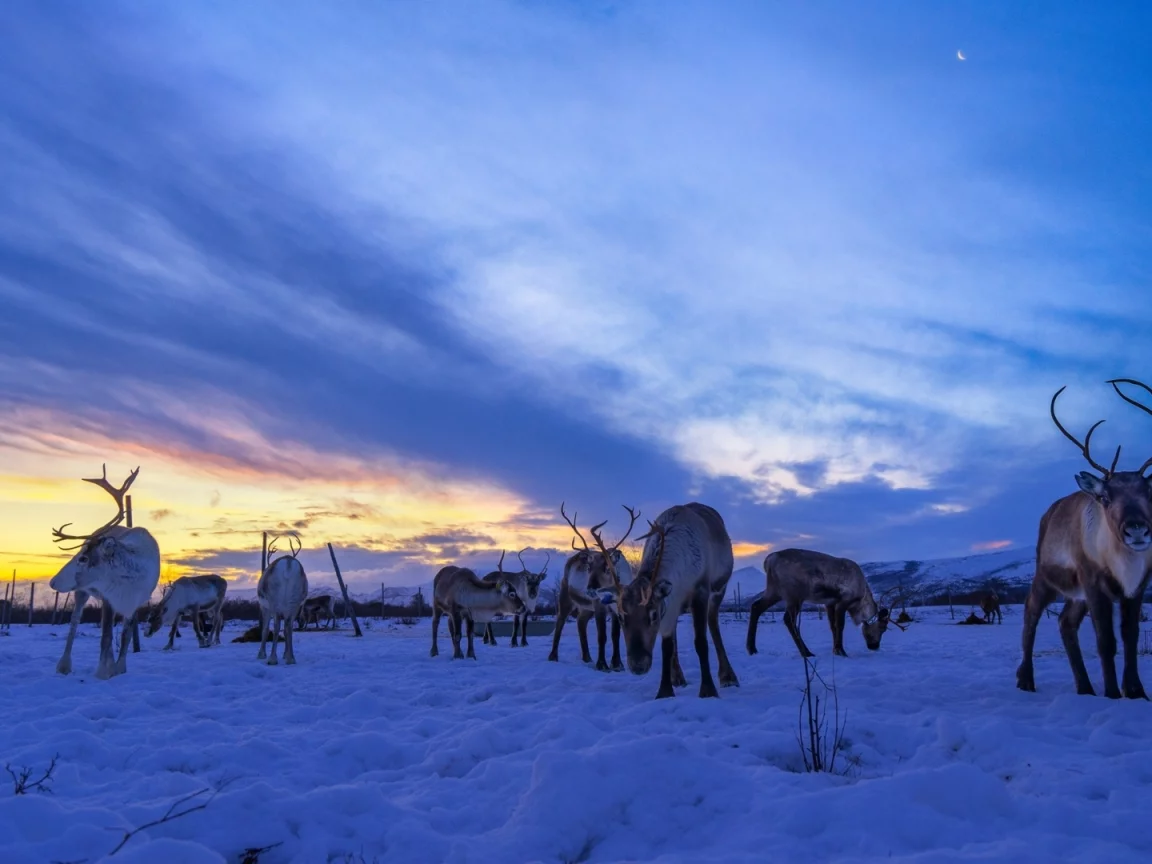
point(798, 261)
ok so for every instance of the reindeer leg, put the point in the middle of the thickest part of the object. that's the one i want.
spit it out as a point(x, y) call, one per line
point(273, 660)
point(601, 637)
point(125, 638)
point(471, 625)
point(1040, 595)
point(759, 606)
point(1100, 608)
point(516, 630)
point(1130, 633)
point(457, 654)
point(792, 622)
point(667, 653)
point(1071, 617)
point(264, 624)
point(700, 632)
point(563, 610)
point(435, 627)
point(678, 679)
point(617, 665)
point(836, 613)
point(488, 638)
point(289, 648)
point(79, 600)
point(582, 628)
point(727, 674)
point(107, 665)
point(197, 629)
point(523, 629)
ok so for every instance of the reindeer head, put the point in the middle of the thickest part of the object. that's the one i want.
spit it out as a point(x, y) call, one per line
point(1125, 497)
point(875, 627)
point(533, 580)
point(99, 551)
point(511, 601)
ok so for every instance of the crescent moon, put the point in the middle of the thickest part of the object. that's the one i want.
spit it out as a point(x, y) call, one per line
point(960, 55)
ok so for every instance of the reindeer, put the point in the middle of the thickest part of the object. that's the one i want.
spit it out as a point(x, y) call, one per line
point(461, 595)
point(1094, 549)
point(281, 591)
point(990, 606)
point(313, 608)
point(799, 576)
point(687, 562)
point(194, 595)
point(118, 565)
point(585, 577)
point(528, 587)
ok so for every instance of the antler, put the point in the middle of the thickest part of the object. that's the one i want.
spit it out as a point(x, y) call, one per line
point(1115, 382)
point(58, 534)
point(572, 522)
point(295, 550)
point(886, 604)
point(1084, 448)
point(653, 528)
point(595, 531)
point(500, 563)
point(520, 555)
point(546, 560)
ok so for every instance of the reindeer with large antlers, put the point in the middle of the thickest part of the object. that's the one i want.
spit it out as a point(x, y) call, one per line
point(281, 592)
point(528, 587)
point(586, 575)
point(117, 564)
point(687, 562)
point(1095, 549)
point(799, 576)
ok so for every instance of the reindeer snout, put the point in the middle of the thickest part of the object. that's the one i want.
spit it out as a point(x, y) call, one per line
point(1137, 535)
point(639, 665)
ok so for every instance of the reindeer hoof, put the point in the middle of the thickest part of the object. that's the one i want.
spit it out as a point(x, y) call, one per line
point(665, 692)
point(272, 661)
point(751, 649)
point(552, 658)
point(290, 661)
point(63, 668)
point(433, 653)
point(729, 682)
point(1113, 693)
point(617, 666)
point(601, 666)
point(708, 691)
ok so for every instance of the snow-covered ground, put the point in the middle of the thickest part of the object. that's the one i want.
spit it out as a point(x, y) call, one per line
point(369, 750)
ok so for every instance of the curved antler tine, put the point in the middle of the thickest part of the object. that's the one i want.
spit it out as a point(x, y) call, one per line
point(633, 515)
point(609, 564)
point(572, 523)
point(1145, 467)
point(500, 565)
point(294, 548)
point(1115, 460)
point(520, 555)
point(1085, 447)
point(1115, 382)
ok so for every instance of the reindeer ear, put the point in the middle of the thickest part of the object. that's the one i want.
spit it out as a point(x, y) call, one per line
point(1091, 484)
point(662, 589)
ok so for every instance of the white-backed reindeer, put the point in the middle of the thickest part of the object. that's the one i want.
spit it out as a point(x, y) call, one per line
point(585, 577)
point(193, 595)
point(464, 597)
point(120, 566)
point(1095, 549)
point(528, 587)
point(687, 563)
point(281, 591)
point(313, 608)
point(799, 576)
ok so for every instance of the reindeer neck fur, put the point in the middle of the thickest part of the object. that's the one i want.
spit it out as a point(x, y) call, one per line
point(1105, 551)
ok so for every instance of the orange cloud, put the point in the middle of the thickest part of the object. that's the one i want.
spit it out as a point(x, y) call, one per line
point(991, 545)
point(745, 550)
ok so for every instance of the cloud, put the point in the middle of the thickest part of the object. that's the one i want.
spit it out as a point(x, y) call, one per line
point(992, 545)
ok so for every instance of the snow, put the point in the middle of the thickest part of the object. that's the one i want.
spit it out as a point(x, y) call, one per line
point(369, 750)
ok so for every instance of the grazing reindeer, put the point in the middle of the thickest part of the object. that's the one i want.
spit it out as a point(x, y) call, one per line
point(687, 562)
point(313, 608)
point(799, 576)
point(1095, 549)
point(528, 587)
point(281, 591)
point(461, 595)
point(120, 566)
point(990, 605)
point(194, 595)
point(585, 577)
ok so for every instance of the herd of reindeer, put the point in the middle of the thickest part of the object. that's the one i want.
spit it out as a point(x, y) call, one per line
point(1094, 549)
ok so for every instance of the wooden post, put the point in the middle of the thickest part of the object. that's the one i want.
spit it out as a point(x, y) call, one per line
point(264, 557)
point(11, 605)
point(31, 601)
point(381, 601)
point(55, 608)
point(344, 591)
point(951, 611)
point(4, 609)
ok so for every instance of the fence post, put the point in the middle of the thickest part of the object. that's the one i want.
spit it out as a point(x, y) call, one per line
point(31, 601)
point(344, 591)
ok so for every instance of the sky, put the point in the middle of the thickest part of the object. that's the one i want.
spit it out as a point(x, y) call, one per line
point(405, 277)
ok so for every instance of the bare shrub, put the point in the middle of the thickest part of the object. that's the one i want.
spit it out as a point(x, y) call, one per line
point(819, 739)
point(22, 782)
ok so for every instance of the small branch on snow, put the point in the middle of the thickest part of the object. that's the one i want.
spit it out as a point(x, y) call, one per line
point(173, 813)
point(22, 782)
point(252, 853)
